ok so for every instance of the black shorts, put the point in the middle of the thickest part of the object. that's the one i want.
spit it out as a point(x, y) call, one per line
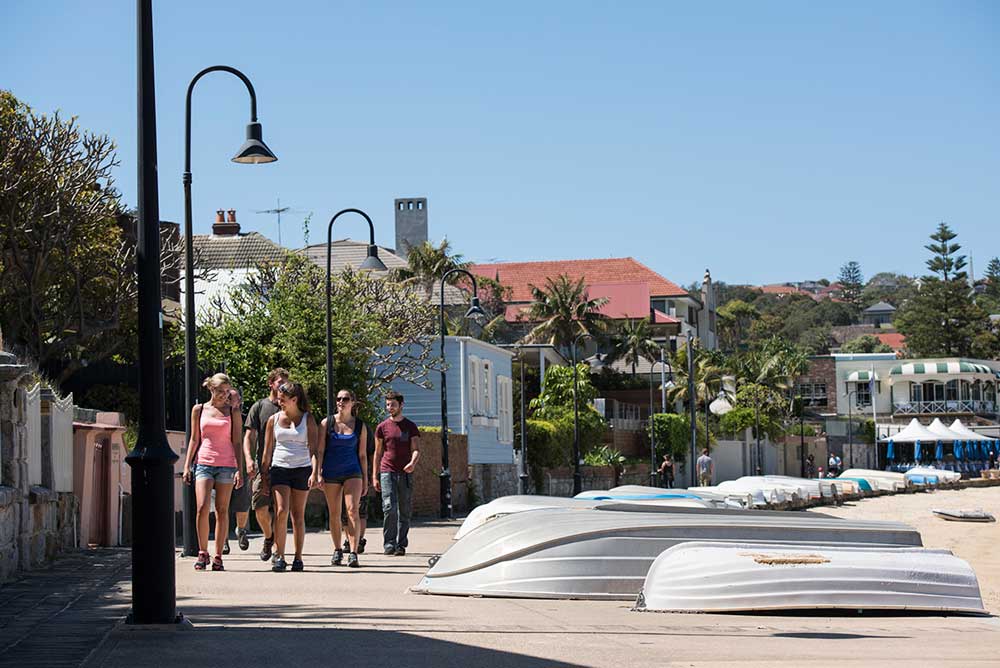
point(297, 478)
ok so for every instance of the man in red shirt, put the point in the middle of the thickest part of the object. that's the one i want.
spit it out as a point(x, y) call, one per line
point(397, 449)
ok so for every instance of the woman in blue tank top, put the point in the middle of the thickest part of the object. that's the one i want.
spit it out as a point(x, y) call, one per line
point(344, 473)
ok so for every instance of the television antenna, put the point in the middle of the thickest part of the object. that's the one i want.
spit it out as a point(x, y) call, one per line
point(278, 210)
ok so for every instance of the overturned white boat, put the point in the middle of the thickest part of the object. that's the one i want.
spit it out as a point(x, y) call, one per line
point(977, 515)
point(506, 505)
point(606, 552)
point(887, 480)
point(752, 576)
point(630, 493)
point(772, 492)
point(942, 475)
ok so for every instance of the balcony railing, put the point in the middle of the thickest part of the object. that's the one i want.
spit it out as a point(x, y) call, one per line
point(947, 406)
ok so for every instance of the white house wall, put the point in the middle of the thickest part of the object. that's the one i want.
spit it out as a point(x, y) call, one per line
point(223, 281)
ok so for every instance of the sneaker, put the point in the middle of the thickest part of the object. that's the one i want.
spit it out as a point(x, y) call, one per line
point(265, 552)
point(279, 565)
point(297, 565)
point(244, 540)
point(352, 560)
point(389, 550)
point(202, 562)
point(400, 551)
point(217, 563)
point(347, 546)
point(225, 548)
point(338, 558)
point(361, 546)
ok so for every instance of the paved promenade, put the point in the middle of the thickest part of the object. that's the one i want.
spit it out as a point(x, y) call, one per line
point(248, 616)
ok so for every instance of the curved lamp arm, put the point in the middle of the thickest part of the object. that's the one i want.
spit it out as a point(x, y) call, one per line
point(187, 105)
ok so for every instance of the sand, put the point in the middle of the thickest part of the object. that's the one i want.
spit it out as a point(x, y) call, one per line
point(977, 543)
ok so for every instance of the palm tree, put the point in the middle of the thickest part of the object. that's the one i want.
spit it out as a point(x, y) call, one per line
point(631, 342)
point(707, 377)
point(563, 310)
point(427, 263)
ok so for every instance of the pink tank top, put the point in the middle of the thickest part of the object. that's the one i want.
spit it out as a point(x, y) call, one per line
point(216, 441)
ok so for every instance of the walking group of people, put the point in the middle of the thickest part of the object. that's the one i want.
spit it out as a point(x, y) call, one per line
point(704, 466)
point(272, 462)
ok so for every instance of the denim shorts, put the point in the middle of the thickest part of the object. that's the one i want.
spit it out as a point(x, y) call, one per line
point(220, 474)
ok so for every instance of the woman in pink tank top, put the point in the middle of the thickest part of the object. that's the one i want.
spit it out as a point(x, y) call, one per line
point(214, 449)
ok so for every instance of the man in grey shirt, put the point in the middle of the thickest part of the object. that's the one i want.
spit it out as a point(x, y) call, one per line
point(705, 469)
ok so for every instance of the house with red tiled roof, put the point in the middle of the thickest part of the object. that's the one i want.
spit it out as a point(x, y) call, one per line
point(894, 340)
point(632, 289)
point(781, 290)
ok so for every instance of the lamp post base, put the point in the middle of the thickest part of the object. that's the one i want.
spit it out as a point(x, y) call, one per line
point(522, 483)
point(445, 495)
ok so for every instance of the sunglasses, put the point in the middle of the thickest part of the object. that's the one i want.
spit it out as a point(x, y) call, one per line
point(343, 399)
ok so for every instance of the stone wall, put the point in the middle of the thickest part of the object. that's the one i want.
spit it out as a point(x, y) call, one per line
point(36, 523)
point(491, 481)
point(426, 479)
point(559, 481)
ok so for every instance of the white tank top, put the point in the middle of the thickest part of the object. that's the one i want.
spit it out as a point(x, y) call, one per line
point(291, 445)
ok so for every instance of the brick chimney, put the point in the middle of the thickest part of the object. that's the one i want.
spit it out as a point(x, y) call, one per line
point(225, 227)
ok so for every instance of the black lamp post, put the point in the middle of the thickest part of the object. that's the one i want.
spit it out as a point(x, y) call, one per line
point(475, 310)
point(253, 151)
point(652, 422)
point(522, 486)
point(152, 460)
point(850, 428)
point(693, 407)
point(371, 263)
point(577, 477)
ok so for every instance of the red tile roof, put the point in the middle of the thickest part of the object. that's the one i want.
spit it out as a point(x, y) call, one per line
point(894, 340)
point(779, 290)
point(519, 276)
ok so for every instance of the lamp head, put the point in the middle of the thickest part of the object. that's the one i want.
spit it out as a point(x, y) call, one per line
point(372, 263)
point(475, 311)
point(254, 151)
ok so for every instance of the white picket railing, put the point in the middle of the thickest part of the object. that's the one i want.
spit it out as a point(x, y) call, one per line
point(33, 433)
point(61, 426)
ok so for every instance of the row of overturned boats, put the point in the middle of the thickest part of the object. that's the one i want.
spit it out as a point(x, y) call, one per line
point(706, 549)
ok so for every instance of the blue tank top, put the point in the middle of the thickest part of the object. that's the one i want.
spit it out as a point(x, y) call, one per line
point(341, 456)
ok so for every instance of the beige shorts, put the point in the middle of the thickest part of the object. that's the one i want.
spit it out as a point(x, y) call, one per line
point(260, 493)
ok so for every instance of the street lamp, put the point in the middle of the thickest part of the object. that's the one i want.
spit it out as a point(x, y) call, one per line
point(522, 485)
point(577, 478)
point(475, 311)
point(850, 428)
point(663, 409)
point(691, 399)
point(371, 263)
point(253, 151)
point(154, 596)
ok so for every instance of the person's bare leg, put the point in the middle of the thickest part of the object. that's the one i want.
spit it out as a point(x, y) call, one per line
point(282, 503)
point(264, 520)
point(299, 497)
point(223, 492)
point(333, 496)
point(203, 501)
point(242, 517)
point(352, 497)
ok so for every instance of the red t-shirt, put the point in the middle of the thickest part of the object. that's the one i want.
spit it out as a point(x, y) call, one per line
point(397, 437)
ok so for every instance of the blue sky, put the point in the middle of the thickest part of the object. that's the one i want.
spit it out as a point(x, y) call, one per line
point(769, 141)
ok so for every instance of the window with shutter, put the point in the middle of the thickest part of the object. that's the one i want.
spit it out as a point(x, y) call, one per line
point(474, 381)
point(489, 392)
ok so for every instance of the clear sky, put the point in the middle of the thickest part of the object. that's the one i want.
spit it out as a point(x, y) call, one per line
point(769, 141)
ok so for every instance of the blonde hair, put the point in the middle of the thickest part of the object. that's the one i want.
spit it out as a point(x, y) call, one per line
point(213, 382)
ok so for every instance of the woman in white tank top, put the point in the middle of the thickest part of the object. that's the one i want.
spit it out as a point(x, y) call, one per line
point(290, 467)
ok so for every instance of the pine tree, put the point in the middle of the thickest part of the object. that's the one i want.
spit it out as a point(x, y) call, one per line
point(993, 278)
point(852, 282)
point(943, 320)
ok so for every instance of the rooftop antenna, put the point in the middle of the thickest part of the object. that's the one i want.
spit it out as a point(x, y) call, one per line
point(278, 210)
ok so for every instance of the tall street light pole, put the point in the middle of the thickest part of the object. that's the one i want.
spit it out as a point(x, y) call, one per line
point(371, 263)
point(693, 407)
point(475, 310)
point(663, 409)
point(850, 428)
point(152, 460)
point(522, 487)
point(253, 151)
point(577, 477)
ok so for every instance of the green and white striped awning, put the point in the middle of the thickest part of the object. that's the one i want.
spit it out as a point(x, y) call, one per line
point(861, 377)
point(942, 369)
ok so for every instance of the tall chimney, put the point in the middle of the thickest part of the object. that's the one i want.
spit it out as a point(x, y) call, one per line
point(411, 223)
point(224, 227)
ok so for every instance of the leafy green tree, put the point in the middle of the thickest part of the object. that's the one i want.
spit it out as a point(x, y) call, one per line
point(993, 278)
point(942, 320)
point(278, 318)
point(865, 344)
point(895, 289)
point(673, 435)
point(734, 318)
point(562, 310)
point(756, 404)
point(631, 341)
point(851, 283)
point(67, 268)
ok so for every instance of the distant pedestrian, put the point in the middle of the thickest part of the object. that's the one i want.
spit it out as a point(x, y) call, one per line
point(215, 433)
point(397, 449)
point(666, 471)
point(343, 476)
point(993, 460)
point(255, 431)
point(833, 465)
point(290, 465)
point(705, 468)
point(810, 466)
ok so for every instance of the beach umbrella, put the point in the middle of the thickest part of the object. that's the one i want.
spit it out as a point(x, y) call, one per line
point(958, 450)
point(890, 452)
point(916, 451)
point(939, 451)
